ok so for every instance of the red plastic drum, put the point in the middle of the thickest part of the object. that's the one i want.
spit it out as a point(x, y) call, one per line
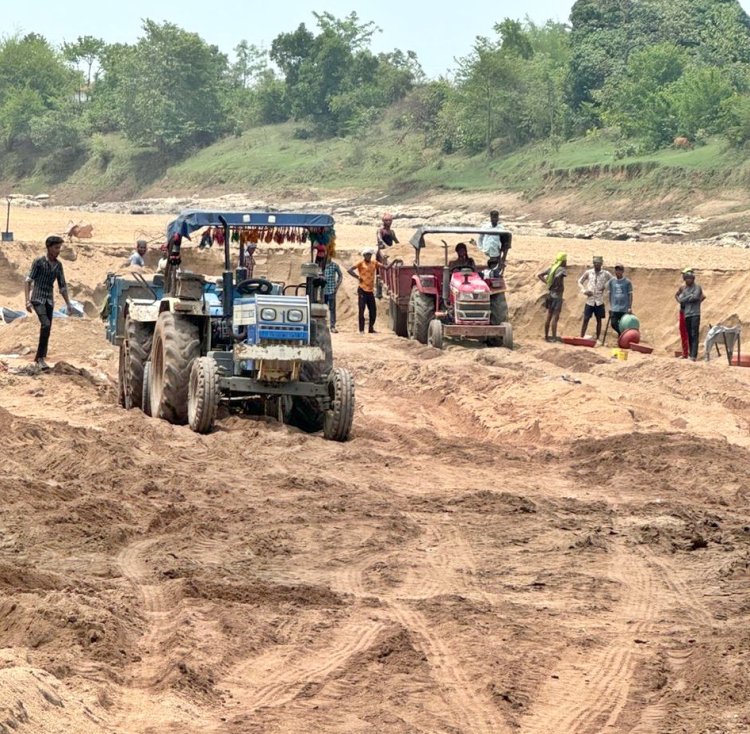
point(628, 337)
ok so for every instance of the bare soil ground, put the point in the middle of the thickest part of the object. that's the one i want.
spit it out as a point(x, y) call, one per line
point(544, 540)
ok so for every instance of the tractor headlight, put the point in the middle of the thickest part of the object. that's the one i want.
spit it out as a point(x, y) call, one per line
point(268, 314)
point(295, 315)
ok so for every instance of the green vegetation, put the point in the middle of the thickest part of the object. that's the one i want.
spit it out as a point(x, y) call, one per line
point(532, 106)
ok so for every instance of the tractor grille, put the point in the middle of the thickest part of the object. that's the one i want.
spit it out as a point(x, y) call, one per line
point(467, 311)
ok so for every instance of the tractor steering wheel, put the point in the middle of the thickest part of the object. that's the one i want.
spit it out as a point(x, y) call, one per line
point(251, 286)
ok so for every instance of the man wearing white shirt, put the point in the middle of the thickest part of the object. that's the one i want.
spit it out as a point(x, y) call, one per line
point(593, 284)
point(491, 244)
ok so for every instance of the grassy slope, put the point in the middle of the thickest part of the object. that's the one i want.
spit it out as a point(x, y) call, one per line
point(271, 160)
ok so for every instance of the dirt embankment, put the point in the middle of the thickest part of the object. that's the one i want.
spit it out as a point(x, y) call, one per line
point(543, 540)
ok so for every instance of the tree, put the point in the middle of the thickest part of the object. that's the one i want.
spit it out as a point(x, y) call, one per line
point(640, 101)
point(333, 79)
point(86, 49)
point(34, 78)
point(168, 91)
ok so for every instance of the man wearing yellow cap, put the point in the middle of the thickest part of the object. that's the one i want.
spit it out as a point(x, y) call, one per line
point(554, 279)
point(593, 283)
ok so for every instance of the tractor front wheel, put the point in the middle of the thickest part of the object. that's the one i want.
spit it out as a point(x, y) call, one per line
point(203, 395)
point(435, 334)
point(339, 417)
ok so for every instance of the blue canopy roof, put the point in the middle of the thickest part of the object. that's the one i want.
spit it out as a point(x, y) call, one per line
point(190, 220)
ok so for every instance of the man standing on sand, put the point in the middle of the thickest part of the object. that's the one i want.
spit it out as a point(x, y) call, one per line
point(136, 259)
point(592, 284)
point(690, 296)
point(365, 274)
point(492, 244)
point(333, 275)
point(620, 297)
point(45, 270)
point(554, 279)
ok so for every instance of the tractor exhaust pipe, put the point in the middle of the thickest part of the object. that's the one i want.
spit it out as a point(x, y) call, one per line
point(446, 284)
point(227, 281)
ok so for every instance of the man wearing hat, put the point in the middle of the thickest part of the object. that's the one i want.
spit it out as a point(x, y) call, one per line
point(592, 283)
point(364, 271)
point(690, 296)
point(620, 297)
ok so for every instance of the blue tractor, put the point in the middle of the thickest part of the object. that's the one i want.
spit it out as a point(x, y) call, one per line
point(189, 343)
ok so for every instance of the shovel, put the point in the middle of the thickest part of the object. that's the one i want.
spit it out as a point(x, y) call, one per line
point(606, 329)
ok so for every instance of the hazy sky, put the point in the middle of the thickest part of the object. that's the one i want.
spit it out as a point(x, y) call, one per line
point(437, 34)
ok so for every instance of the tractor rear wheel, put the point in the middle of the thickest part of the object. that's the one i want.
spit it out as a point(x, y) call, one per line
point(421, 312)
point(121, 376)
point(339, 417)
point(137, 347)
point(320, 336)
point(278, 407)
point(203, 395)
point(435, 334)
point(499, 315)
point(176, 345)
point(308, 413)
point(498, 308)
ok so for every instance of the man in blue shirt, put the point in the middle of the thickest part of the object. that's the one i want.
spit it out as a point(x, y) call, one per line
point(620, 297)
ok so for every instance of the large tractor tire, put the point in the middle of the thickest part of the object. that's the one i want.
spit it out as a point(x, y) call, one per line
point(176, 345)
point(435, 334)
point(121, 376)
point(339, 417)
point(320, 336)
point(203, 395)
point(498, 309)
point(508, 338)
point(421, 312)
point(308, 413)
point(398, 319)
point(134, 352)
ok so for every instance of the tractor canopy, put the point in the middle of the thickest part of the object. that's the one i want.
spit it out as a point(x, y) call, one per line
point(190, 220)
point(417, 239)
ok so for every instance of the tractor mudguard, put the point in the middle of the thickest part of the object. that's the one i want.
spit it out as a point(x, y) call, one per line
point(427, 284)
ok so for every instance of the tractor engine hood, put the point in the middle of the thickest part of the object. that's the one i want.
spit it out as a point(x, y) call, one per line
point(469, 285)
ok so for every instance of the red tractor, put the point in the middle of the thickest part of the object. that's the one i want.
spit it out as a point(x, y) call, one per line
point(432, 302)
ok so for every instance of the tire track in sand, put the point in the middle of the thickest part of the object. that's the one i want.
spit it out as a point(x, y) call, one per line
point(588, 695)
point(159, 602)
point(278, 676)
point(474, 713)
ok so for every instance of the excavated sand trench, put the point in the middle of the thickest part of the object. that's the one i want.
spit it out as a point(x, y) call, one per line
point(542, 540)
